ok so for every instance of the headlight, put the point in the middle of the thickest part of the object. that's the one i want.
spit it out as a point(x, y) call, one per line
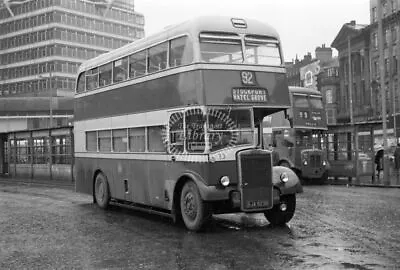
point(284, 178)
point(305, 162)
point(224, 181)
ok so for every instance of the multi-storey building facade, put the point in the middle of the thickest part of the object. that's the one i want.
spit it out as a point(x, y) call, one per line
point(359, 45)
point(391, 55)
point(329, 84)
point(43, 42)
point(361, 102)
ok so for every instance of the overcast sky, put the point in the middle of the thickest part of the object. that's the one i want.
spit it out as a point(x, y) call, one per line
point(302, 24)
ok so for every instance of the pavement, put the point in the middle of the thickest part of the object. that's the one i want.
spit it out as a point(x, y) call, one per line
point(37, 182)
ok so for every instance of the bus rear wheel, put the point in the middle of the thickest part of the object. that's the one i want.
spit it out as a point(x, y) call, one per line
point(101, 191)
point(195, 212)
point(283, 212)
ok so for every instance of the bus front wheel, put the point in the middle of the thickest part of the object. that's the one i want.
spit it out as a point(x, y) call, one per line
point(283, 212)
point(101, 191)
point(194, 210)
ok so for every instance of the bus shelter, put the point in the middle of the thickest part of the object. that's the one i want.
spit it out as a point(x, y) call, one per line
point(351, 153)
point(39, 154)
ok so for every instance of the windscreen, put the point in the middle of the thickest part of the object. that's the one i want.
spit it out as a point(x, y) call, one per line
point(262, 51)
point(300, 101)
point(221, 48)
point(316, 102)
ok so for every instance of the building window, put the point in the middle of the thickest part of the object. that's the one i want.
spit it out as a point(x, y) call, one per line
point(384, 9)
point(330, 113)
point(376, 69)
point(329, 96)
point(386, 38)
point(387, 67)
point(394, 34)
point(375, 40)
point(40, 150)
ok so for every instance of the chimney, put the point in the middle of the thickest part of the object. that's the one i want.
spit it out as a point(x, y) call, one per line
point(353, 22)
point(323, 54)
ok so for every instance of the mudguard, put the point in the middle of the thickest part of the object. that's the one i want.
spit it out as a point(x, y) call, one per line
point(207, 193)
point(288, 161)
point(290, 187)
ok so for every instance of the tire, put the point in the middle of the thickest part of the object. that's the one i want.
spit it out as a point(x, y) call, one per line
point(324, 178)
point(276, 216)
point(194, 210)
point(101, 191)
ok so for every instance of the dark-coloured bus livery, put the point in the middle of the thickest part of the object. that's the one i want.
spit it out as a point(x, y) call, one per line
point(299, 145)
point(172, 123)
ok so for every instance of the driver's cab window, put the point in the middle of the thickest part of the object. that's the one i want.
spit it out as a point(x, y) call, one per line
point(195, 132)
point(176, 133)
point(186, 132)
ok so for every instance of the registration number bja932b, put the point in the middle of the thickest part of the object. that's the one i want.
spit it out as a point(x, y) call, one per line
point(257, 204)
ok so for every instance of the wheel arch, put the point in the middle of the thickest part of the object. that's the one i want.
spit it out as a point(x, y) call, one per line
point(292, 186)
point(286, 160)
point(176, 211)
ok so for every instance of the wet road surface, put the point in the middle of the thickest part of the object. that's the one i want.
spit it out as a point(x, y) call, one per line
point(334, 227)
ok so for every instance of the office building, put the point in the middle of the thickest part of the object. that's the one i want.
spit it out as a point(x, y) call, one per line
point(42, 44)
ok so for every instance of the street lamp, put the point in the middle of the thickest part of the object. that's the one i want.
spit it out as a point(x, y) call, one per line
point(383, 90)
point(50, 98)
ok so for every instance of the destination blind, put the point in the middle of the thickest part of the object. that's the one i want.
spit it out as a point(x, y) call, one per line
point(249, 95)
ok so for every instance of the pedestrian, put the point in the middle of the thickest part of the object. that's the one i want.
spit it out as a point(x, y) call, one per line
point(397, 161)
point(379, 162)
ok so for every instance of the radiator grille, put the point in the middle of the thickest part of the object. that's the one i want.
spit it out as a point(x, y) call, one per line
point(315, 160)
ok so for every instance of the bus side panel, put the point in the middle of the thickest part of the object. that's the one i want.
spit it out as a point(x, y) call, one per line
point(161, 93)
point(146, 178)
point(84, 175)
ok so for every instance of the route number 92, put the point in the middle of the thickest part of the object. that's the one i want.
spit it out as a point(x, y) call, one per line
point(248, 77)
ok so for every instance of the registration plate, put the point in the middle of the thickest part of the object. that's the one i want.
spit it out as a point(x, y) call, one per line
point(257, 204)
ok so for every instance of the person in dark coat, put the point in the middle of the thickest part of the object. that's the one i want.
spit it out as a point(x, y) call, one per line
point(397, 161)
point(379, 162)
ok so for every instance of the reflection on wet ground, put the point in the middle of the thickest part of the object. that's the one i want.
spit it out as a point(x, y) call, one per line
point(333, 228)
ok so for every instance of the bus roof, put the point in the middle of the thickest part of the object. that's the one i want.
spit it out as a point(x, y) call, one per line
point(303, 90)
point(191, 27)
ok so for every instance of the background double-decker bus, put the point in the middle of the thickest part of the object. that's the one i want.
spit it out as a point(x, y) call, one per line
point(299, 145)
point(172, 124)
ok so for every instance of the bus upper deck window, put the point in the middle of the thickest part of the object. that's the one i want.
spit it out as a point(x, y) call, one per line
point(81, 83)
point(157, 58)
point(221, 48)
point(262, 51)
point(92, 79)
point(105, 73)
point(137, 64)
point(181, 52)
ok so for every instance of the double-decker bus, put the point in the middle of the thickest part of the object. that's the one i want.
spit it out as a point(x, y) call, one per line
point(298, 136)
point(172, 123)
